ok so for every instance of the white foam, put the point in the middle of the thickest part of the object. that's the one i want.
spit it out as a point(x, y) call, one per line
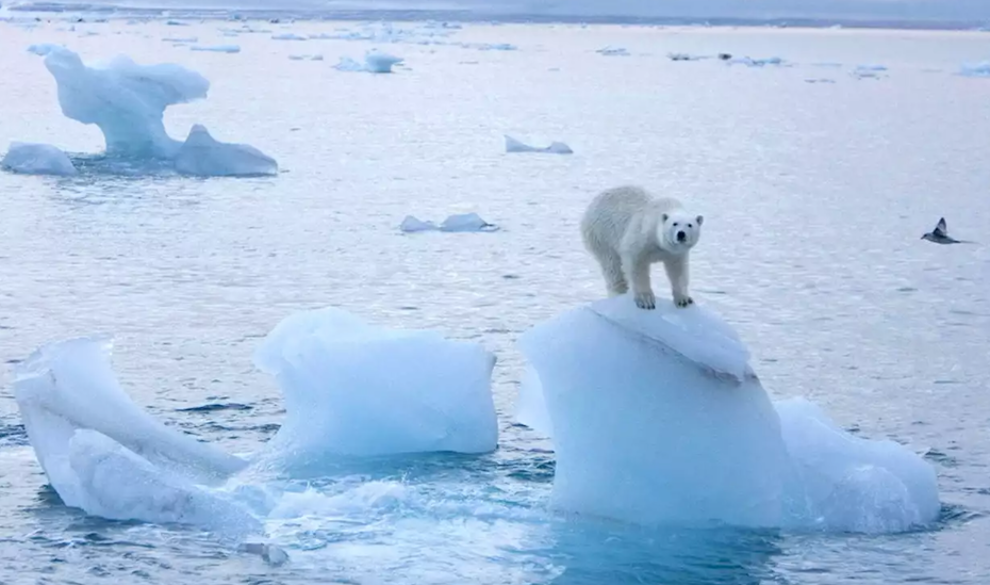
point(37, 159)
point(202, 155)
point(356, 389)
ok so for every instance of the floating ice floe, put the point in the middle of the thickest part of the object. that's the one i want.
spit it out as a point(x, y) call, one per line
point(610, 51)
point(460, 222)
point(217, 48)
point(656, 417)
point(374, 62)
point(37, 159)
point(512, 146)
point(750, 62)
point(868, 71)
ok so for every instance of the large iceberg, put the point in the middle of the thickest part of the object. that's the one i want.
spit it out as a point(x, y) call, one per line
point(202, 155)
point(356, 389)
point(657, 417)
point(126, 100)
point(31, 158)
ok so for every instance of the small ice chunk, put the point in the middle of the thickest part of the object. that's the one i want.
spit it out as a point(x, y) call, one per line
point(975, 69)
point(374, 62)
point(356, 389)
point(413, 224)
point(217, 48)
point(611, 51)
point(513, 145)
point(750, 62)
point(202, 155)
point(288, 37)
point(37, 159)
point(466, 222)
point(180, 39)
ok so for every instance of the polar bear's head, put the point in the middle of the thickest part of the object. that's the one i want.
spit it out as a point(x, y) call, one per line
point(678, 231)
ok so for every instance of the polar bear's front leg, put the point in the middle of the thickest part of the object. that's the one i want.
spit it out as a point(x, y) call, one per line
point(637, 270)
point(677, 272)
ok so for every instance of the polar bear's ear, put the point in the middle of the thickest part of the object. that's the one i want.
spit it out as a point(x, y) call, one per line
point(665, 217)
point(701, 220)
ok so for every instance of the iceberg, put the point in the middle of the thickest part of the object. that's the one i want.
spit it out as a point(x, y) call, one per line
point(513, 145)
point(355, 389)
point(202, 155)
point(70, 385)
point(37, 159)
point(125, 100)
point(657, 418)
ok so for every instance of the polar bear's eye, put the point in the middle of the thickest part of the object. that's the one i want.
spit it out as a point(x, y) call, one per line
point(689, 225)
point(675, 224)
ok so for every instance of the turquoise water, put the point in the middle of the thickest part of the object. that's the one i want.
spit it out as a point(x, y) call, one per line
point(815, 197)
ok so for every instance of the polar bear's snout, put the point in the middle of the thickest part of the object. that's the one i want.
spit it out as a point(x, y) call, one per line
point(681, 236)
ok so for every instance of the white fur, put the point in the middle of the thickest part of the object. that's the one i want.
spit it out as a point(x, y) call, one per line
point(627, 231)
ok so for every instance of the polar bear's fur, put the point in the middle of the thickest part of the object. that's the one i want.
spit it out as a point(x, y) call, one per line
point(627, 230)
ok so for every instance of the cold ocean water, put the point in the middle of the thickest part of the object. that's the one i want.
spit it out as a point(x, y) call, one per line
point(816, 178)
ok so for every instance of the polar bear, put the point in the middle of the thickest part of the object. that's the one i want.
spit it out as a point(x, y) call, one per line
point(628, 230)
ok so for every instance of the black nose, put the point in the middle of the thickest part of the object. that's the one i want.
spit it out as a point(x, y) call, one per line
point(681, 236)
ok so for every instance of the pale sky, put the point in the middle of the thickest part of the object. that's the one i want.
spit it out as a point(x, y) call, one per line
point(968, 10)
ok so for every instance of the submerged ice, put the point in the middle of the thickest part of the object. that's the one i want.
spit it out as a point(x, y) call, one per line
point(357, 389)
point(657, 417)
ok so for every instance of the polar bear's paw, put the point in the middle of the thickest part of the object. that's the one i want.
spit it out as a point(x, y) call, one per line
point(646, 300)
point(683, 301)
